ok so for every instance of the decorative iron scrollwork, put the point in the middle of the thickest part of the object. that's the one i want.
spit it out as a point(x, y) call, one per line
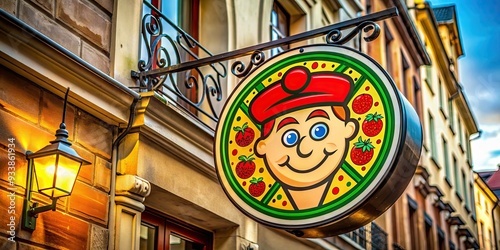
point(240, 70)
point(197, 87)
point(171, 67)
point(335, 36)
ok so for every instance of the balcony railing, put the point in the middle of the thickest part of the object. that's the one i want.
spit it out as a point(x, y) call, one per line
point(379, 238)
point(358, 236)
point(369, 237)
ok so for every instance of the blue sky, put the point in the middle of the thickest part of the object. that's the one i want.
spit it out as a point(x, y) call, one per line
point(479, 23)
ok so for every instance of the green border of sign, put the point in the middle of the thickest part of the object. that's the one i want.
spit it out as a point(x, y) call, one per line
point(255, 84)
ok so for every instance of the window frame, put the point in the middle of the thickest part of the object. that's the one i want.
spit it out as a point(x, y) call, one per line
point(416, 97)
point(405, 74)
point(458, 188)
point(167, 225)
point(441, 98)
point(275, 28)
point(429, 234)
point(432, 137)
point(441, 239)
point(414, 232)
point(451, 115)
point(446, 155)
point(428, 78)
point(388, 49)
point(465, 191)
point(460, 134)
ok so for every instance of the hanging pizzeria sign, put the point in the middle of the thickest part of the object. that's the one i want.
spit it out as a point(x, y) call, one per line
point(316, 141)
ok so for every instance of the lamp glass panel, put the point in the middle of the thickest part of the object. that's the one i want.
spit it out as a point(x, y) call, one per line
point(45, 168)
point(67, 171)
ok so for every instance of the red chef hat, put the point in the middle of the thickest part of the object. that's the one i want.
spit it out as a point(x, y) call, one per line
point(299, 89)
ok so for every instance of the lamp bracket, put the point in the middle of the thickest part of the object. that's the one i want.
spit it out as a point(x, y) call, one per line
point(35, 209)
point(31, 211)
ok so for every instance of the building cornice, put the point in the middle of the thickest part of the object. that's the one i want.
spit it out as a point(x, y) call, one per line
point(406, 28)
point(486, 189)
point(453, 25)
point(426, 16)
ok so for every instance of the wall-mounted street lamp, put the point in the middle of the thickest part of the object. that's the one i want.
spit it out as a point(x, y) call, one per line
point(56, 167)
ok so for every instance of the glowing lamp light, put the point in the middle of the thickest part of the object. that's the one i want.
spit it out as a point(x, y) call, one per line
point(56, 167)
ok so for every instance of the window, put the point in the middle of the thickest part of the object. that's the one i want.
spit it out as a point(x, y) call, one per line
point(469, 153)
point(413, 227)
point(452, 245)
point(164, 233)
point(460, 135)
point(464, 187)
point(325, 20)
point(479, 199)
point(458, 183)
point(432, 136)
point(394, 224)
point(329, 15)
point(456, 170)
point(446, 160)
point(416, 97)
point(184, 14)
point(481, 235)
point(491, 240)
point(441, 96)
point(428, 232)
point(472, 202)
point(451, 114)
point(412, 208)
point(428, 76)
point(406, 67)
point(388, 49)
point(280, 26)
point(368, 7)
point(441, 239)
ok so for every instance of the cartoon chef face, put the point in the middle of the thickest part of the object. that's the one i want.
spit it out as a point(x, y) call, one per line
point(305, 147)
point(305, 126)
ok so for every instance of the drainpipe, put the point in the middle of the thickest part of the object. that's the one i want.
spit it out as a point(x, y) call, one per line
point(114, 165)
point(494, 227)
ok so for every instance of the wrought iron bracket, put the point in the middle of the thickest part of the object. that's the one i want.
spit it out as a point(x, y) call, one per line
point(161, 70)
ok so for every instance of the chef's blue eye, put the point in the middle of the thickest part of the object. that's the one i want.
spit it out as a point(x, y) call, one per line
point(290, 138)
point(319, 131)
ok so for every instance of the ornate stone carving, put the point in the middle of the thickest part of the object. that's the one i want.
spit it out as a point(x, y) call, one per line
point(132, 186)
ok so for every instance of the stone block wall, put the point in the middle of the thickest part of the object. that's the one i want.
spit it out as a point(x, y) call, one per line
point(29, 117)
point(81, 26)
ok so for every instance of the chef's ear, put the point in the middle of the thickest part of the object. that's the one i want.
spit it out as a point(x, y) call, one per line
point(260, 147)
point(351, 127)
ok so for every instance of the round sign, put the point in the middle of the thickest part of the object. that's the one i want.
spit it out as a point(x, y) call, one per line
point(316, 141)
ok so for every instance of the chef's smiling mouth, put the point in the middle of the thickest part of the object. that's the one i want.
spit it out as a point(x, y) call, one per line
point(286, 163)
